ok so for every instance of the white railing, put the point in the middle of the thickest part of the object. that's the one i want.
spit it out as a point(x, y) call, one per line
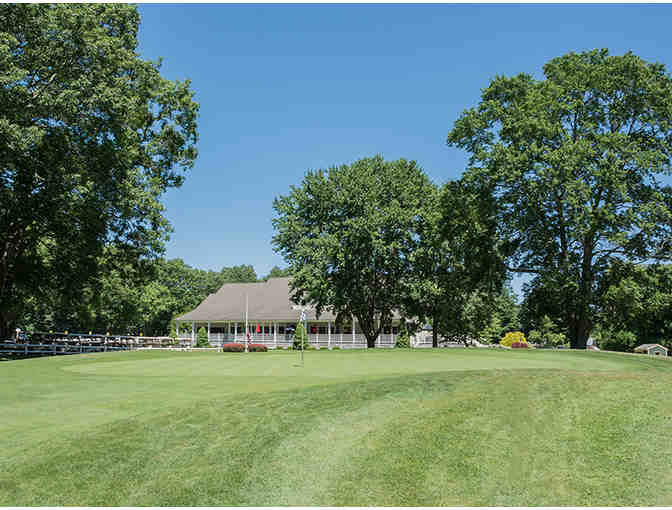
point(321, 340)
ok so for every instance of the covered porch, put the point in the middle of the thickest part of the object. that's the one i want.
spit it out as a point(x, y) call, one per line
point(280, 334)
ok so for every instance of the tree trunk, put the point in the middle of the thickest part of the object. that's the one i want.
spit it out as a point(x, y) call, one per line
point(580, 331)
point(582, 324)
point(435, 338)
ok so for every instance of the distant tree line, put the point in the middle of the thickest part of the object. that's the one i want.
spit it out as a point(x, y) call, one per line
point(124, 301)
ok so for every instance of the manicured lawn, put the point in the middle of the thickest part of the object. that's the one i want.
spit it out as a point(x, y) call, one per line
point(386, 428)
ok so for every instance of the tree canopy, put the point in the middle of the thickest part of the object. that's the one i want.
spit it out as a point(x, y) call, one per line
point(92, 135)
point(348, 233)
point(455, 264)
point(574, 162)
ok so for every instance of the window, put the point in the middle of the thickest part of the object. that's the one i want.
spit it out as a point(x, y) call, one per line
point(281, 330)
point(322, 330)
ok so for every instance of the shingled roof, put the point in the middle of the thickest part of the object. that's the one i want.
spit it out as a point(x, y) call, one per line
point(267, 301)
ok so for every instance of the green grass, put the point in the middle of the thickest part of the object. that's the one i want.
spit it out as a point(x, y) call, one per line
point(386, 428)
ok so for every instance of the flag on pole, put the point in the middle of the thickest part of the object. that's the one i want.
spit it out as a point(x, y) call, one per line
point(258, 328)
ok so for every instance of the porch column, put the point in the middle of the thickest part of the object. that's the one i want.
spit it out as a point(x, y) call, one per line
point(235, 330)
point(208, 331)
point(275, 333)
point(353, 330)
point(328, 334)
point(193, 332)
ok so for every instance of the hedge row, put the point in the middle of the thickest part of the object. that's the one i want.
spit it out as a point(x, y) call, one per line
point(234, 347)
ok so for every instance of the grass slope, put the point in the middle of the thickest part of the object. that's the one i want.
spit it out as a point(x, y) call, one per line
point(385, 428)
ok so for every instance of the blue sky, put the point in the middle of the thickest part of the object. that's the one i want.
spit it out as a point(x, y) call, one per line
point(287, 89)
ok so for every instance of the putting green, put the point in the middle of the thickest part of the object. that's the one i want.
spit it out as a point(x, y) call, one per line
point(346, 364)
point(447, 427)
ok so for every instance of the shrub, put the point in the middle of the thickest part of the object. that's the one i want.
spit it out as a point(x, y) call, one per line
point(403, 340)
point(612, 339)
point(545, 334)
point(335, 348)
point(510, 338)
point(202, 338)
point(233, 347)
point(257, 348)
point(519, 345)
point(300, 337)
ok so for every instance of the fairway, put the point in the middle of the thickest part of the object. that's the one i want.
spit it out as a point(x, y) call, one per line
point(350, 428)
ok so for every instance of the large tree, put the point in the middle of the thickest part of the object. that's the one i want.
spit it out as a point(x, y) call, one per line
point(575, 161)
point(456, 260)
point(347, 234)
point(91, 135)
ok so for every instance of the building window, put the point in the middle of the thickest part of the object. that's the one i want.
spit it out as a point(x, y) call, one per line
point(322, 330)
point(281, 330)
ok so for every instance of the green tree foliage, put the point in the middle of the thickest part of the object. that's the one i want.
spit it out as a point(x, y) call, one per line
point(347, 234)
point(492, 331)
point(504, 317)
point(403, 340)
point(202, 338)
point(547, 334)
point(91, 137)
point(637, 299)
point(610, 338)
point(277, 272)
point(574, 162)
point(123, 300)
point(237, 274)
point(300, 337)
point(456, 257)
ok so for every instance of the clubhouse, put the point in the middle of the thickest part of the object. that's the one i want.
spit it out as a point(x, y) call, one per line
point(272, 318)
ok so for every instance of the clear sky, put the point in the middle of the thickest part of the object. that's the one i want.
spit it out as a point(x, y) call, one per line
point(289, 88)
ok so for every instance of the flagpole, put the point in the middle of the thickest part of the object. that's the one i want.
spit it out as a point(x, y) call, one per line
point(247, 330)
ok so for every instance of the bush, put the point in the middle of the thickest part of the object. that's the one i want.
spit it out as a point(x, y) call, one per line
point(202, 338)
point(403, 340)
point(615, 339)
point(300, 337)
point(510, 338)
point(335, 348)
point(545, 334)
point(257, 348)
point(233, 347)
point(519, 345)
